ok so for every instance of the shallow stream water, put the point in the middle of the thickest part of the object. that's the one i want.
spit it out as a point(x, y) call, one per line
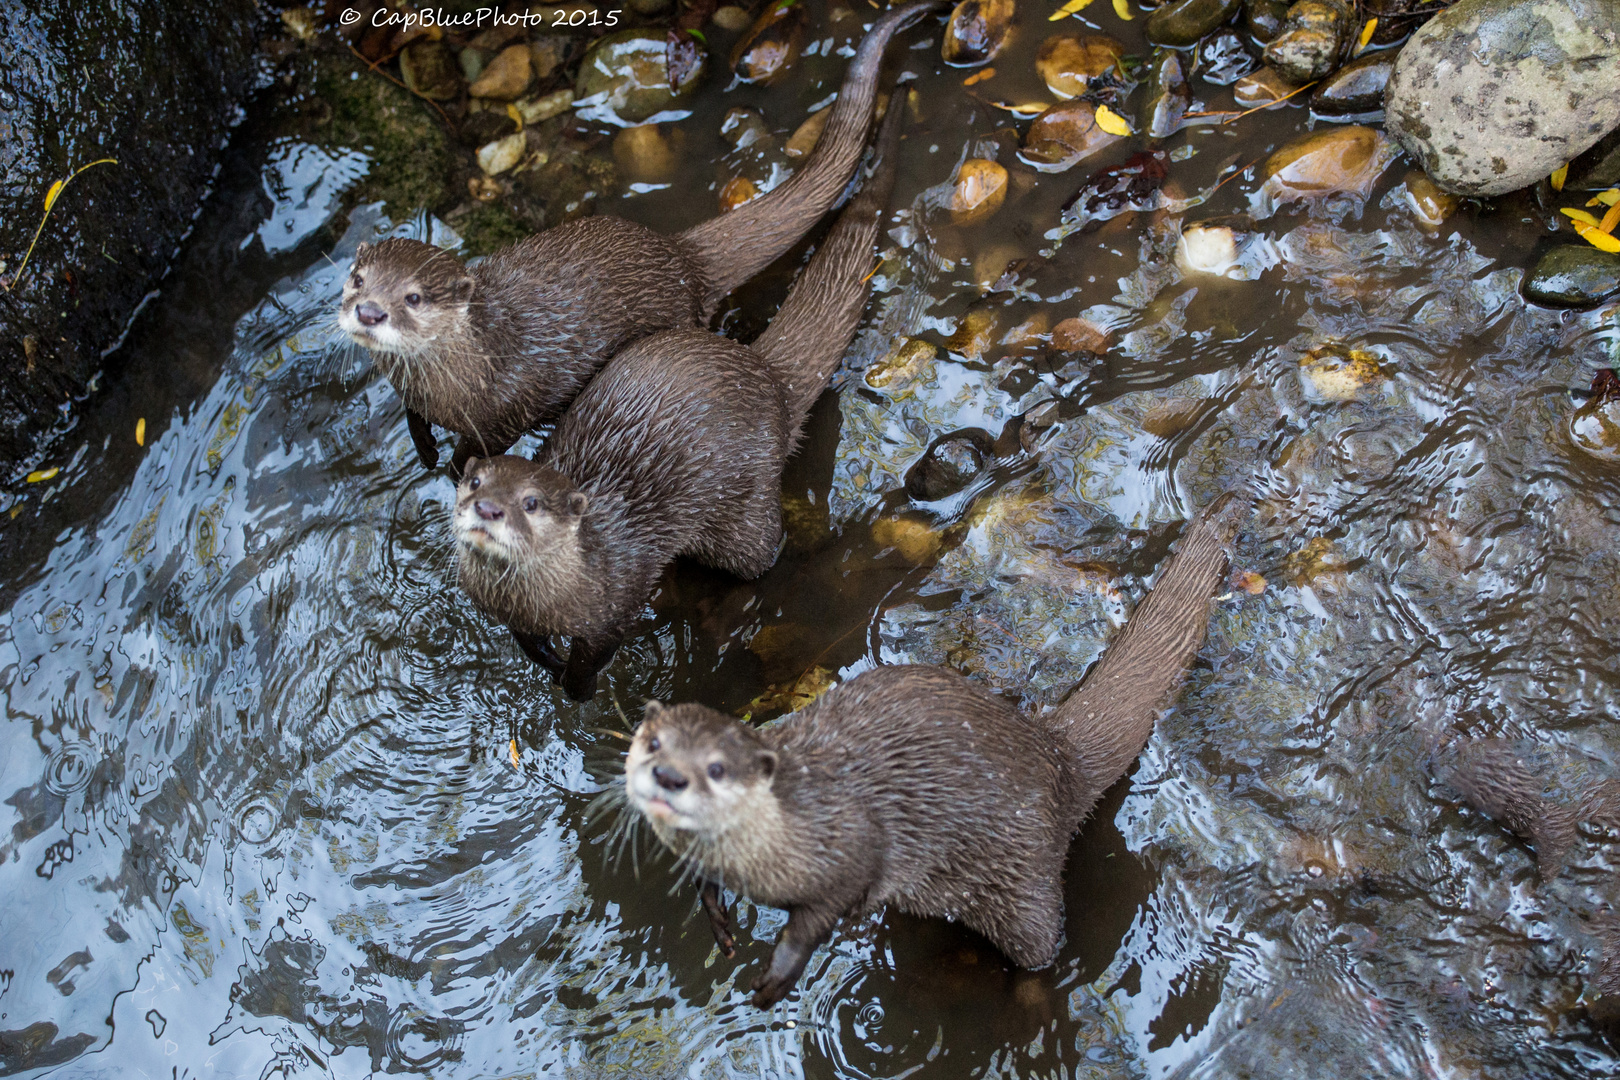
point(278, 802)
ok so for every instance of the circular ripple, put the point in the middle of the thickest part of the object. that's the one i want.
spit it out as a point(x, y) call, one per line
point(257, 821)
point(417, 1042)
point(70, 767)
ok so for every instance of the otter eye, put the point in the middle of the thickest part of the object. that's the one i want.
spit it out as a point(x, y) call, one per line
point(413, 298)
point(653, 743)
point(358, 281)
point(717, 771)
point(531, 504)
point(474, 482)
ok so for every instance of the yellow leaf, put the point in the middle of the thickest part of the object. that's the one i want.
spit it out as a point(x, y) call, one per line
point(1366, 34)
point(1598, 239)
point(1067, 9)
point(1557, 177)
point(1027, 109)
point(1580, 216)
point(1605, 198)
point(140, 432)
point(979, 76)
point(1122, 9)
point(1610, 219)
point(517, 117)
point(516, 757)
point(1111, 122)
point(40, 475)
point(50, 196)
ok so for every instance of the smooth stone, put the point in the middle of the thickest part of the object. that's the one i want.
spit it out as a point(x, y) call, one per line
point(645, 154)
point(1265, 87)
point(1131, 187)
point(914, 358)
point(738, 190)
point(1224, 58)
point(1598, 169)
point(1068, 63)
point(1079, 336)
point(471, 61)
point(1595, 427)
point(429, 68)
point(915, 541)
point(1492, 95)
point(975, 332)
point(1064, 135)
point(1344, 160)
point(502, 154)
point(733, 18)
point(1573, 276)
point(1358, 87)
point(1180, 24)
point(1428, 203)
point(980, 189)
point(952, 463)
point(1335, 373)
point(742, 126)
point(1211, 247)
point(976, 31)
point(624, 78)
point(806, 135)
point(547, 54)
point(766, 52)
point(1264, 18)
point(1313, 36)
point(482, 126)
point(1168, 95)
point(506, 77)
point(534, 110)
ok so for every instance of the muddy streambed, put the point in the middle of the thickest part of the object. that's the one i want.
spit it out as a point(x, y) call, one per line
point(278, 802)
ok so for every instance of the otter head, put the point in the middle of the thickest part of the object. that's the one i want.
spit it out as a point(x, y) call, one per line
point(696, 771)
point(403, 295)
point(512, 510)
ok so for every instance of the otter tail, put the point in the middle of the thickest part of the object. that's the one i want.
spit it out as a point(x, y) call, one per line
point(806, 341)
point(733, 247)
point(1108, 720)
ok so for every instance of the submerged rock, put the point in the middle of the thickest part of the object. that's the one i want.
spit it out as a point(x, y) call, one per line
point(1428, 203)
point(1168, 95)
point(1224, 58)
point(915, 541)
point(806, 135)
point(429, 68)
point(951, 463)
point(1069, 64)
point(742, 127)
point(506, 77)
point(1221, 246)
point(1079, 336)
point(1311, 39)
point(1131, 187)
point(624, 78)
point(981, 188)
point(1346, 160)
point(976, 32)
point(1491, 95)
point(1358, 87)
point(1063, 136)
point(912, 360)
point(1595, 426)
point(772, 44)
point(1573, 276)
point(646, 154)
point(1265, 18)
point(1333, 372)
point(1264, 87)
point(1180, 24)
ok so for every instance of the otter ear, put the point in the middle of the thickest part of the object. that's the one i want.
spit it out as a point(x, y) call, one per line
point(578, 503)
point(652, 710)
point(767, 763)
point(461, 289)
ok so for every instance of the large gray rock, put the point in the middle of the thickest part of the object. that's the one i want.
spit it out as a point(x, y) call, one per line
point(1492, 95)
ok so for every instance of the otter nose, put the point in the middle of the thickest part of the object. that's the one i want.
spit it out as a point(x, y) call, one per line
point(488, 510)
point(370, 314)
point(668, 779)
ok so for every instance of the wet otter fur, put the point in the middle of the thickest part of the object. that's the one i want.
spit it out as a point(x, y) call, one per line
point(915, 787)
point(675, 449)
point(493, 350)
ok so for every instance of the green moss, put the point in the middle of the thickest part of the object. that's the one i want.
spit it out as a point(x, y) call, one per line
point(411, 159)
point(489, 227)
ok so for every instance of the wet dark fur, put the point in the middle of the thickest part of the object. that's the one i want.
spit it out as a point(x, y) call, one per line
point(915, 787)
point(493, 350)
point(675, 449)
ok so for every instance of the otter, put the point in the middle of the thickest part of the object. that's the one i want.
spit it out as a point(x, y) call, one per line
point(913, 786)
point(675, 449)
point(494, 350)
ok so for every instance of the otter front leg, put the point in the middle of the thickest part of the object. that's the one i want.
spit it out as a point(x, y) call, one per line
point(468, 448)
point(714, 905)
point(537, 647)
point(806, 928)
point(427, 445)
point(586, 658)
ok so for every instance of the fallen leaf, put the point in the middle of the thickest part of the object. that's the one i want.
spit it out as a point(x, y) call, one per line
point(1366, 35)
point(1610, 219)
point(1557, 177)
point(40, 475)
point(1068, 9)
point(517, 117)
point(140, 432)
point(1249, 581)
point(1111, 122)
point(979, 76)
point(1597, 238)
point(517, 759)
point(1605, 198)
point(1579, 216)
point(791, 698)
point(1123, 10)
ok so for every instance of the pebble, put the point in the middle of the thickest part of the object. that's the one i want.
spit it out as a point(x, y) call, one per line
point(914, 358)
point(1068, 63)
point(645, 154)
point(624, 78)
point(1211, 247)
point(1313, 35)
point(915, 541)
point(498, 156)
point(742, 126)
point(1595, 426)
point(951, 463)
point(1168, 95)
point(976, 31)
point(733, 18)
point(1264, 87)
point(975, 332)
point(429, 68)
point(1224, 58)
point(547, 54)
point(806, 135)
point(738, 190)
point(772, 44)
point(1342, 160)
point(1063, 136)
point(506, 77)
point(1079, 335)
point(1180, 24)
point(979, 191)
point(1573, 276)
point(1358, 87)
point(1264, 18)
point(1430, 205)
point(534, 110)
point(1335, 373)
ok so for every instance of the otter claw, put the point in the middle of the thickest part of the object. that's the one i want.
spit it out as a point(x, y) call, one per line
point(714, 905)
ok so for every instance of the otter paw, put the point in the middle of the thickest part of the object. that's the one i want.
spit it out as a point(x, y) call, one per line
point(769, 988)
